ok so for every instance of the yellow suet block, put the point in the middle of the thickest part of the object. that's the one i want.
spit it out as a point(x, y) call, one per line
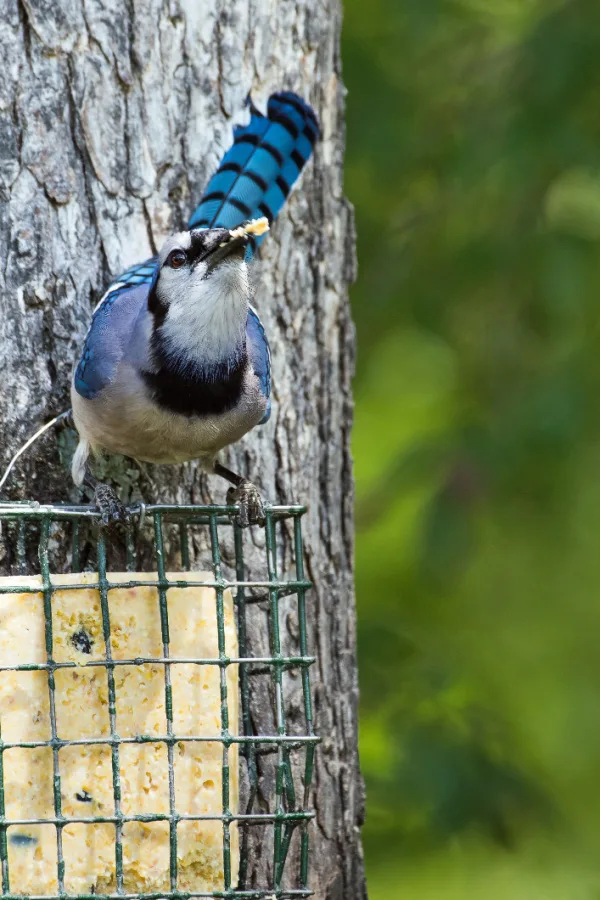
point(86, 785)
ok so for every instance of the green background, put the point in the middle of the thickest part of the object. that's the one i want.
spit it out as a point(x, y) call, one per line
point(474, 166)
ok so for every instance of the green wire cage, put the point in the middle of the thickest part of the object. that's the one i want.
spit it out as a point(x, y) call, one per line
point(264, 571)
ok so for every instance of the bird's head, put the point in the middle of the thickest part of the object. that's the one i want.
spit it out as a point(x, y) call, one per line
point(201, 293)
point(202, 266)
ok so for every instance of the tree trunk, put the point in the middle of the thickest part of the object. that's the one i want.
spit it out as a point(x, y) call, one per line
point(112, 117)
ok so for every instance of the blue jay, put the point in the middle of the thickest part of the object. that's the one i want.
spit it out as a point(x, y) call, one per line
point(176, 363)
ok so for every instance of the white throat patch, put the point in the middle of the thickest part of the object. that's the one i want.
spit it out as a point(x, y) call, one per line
point(206, 319)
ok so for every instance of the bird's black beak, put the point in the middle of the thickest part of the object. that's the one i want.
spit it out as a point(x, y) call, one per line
point(234, 247)
point(214, 245)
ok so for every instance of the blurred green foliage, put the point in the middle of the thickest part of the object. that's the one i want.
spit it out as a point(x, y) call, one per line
point(474, 165)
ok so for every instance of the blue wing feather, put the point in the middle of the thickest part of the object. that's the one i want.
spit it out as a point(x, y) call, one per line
point(111, 323)
point(141, 273)
point(260, 356)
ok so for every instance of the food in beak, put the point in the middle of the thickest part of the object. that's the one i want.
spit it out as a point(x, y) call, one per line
point(254, 226)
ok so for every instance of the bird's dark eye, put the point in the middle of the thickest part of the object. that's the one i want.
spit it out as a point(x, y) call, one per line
point(177, 259)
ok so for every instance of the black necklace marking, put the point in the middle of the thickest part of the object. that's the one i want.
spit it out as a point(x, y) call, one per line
point(194, 390)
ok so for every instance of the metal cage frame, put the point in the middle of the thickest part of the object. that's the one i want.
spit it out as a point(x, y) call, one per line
point(288, 812)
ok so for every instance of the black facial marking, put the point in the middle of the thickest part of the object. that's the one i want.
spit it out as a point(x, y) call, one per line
point(82, 641)
point(197, 246)
point(156, 306)
point(204, 241)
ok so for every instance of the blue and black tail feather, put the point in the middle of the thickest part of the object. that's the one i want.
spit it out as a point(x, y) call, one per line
point(261, 167)
point(254, 178)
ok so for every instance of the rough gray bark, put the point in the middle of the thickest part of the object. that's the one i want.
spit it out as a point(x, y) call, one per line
point(112, 117)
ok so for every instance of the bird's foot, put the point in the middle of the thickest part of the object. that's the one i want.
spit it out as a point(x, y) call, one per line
point(251, 509)
point(108, 504)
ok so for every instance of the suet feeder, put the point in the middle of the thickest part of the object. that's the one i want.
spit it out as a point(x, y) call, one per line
point(131, 685)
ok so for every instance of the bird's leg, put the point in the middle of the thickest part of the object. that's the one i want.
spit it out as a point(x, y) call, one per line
point(107, 502)
point(245, 494)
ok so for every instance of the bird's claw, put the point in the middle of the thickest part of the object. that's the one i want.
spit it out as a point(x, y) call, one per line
point(110, 507)
point(251, 510)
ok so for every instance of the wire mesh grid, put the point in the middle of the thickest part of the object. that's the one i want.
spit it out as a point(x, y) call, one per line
point(34, 536)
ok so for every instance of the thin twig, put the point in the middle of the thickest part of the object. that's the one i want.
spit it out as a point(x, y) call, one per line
point(29, 442)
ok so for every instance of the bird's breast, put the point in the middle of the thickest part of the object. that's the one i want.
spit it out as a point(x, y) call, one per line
point(127, 418)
